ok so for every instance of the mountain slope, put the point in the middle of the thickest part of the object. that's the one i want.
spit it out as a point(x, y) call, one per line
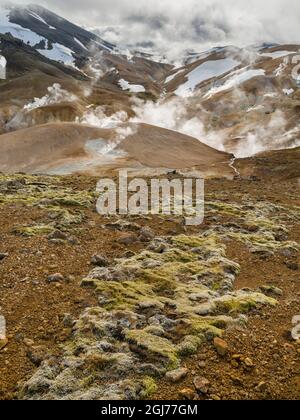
point(64, 148)
point(53, 36)
point(156, 147)
point(238, 101)
point(32, 149)
point(249, 98)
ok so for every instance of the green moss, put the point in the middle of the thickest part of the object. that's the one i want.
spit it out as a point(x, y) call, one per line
point(34, 230)
point(211, 242)
point(243, 303)
point(153, 346)
point(64, 217)
point(206, 326)
point(263, 242)
point(225, 208)
point(177, 255)
point(43, 191)
point(265, 224)
point(190, 345)
point(149, 387)
point(126, 295)
point(99, 362)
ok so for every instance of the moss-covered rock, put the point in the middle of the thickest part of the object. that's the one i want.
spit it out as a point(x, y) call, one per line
point(34, 230)
point(149, 387)
point(160, 305)
point(153, 347)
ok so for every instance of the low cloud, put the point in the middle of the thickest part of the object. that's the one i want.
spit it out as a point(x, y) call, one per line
point(172, 27)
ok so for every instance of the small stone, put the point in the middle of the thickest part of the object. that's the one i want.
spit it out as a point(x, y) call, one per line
point(202, 364)
point(3, 256)
point(37, 354)
point(68, 321)
point(28, 342)
point(146, 234)
point(292, 266)
point(271, 290)
point(237, 357)
point(221, 346)
point(122, 225)
point(99, 261)
point(215, 397)
point(177, 375)
point(286, 252)
point(3, 343)
point(73, 240)
point(249, 363)
point(234, 364)
point(55, 278)
point(201, 384)
point(128, 239)
point(261, 387)
point(187, 394)
point(57, 234)
point(128, 254)
point(236, 380)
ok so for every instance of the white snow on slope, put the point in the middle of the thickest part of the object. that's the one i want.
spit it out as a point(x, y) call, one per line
point(288, 92)
point(173, 76)
point(132, 88)
point(80, 43)
point(205, 71)
point(239, 77)
point(17, 31)
point(3, 63)
point(103, 45)
point(277, 54)
point(36, 16)
point(280, 69)
point(59, 53)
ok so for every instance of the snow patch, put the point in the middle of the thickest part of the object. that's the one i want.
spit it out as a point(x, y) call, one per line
point(235, 80)
point(3, 63)
point(288, 92)
point(17, 31)
point(173, 76)
point(36, 16)
point(80, 44)
point(60, 53)
point(277, 54)
point(205, 71)
point(57, 53)
point(132, 88)
point(280, 69)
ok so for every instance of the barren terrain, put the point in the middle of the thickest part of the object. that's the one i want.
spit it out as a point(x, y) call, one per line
point(262, 360)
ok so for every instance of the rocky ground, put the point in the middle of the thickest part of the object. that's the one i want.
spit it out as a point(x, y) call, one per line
point(104, 308)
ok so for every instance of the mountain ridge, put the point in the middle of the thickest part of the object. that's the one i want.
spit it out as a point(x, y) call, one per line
point(239, 101)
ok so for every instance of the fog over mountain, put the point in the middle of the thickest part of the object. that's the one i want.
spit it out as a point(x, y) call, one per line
point(190, 24)
point(114, 287)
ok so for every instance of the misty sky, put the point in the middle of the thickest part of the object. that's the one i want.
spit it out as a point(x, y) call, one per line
point(175, 25)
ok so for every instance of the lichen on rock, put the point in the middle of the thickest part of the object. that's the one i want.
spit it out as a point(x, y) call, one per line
point(155, 308)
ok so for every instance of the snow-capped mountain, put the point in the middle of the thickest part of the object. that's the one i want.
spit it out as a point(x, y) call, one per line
point(238, 101)
point(52, 36)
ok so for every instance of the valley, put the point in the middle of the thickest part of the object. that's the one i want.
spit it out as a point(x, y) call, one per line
point(128, 307)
